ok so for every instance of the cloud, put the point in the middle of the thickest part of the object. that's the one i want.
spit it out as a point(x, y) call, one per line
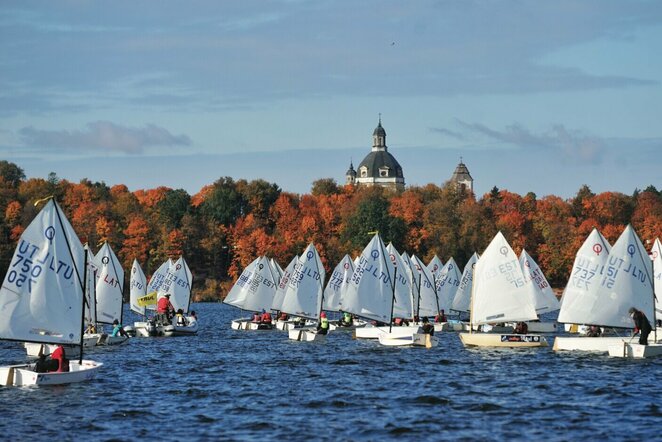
point(104, 136)
point(569, 144)
point(448, 132)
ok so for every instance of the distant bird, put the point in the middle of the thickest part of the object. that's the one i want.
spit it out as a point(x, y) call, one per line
point(392, 43)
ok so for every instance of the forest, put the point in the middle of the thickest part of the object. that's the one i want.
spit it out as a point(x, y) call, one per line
point(229, 223)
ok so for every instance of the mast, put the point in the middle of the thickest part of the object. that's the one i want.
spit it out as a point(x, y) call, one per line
point(390, 321)
point(82, 318)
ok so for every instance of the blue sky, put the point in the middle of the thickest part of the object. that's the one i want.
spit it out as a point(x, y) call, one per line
point(534, 96)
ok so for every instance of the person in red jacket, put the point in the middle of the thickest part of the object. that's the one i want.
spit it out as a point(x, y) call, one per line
point(59, 356)
point(164, 307)
point(266, 317)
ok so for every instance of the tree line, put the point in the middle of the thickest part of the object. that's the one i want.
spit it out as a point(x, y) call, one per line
point(227, 224)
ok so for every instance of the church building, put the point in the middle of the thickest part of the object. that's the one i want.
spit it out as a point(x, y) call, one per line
point(379, 167)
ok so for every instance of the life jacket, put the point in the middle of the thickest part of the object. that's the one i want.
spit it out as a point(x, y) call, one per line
point(116, 330)
point(347, 318)
point(59, 356)
point(256, 317)
point(266, 317)
point(324, 323)
point(180, 319)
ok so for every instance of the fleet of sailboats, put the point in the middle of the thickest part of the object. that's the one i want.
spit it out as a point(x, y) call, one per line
point(48, 305)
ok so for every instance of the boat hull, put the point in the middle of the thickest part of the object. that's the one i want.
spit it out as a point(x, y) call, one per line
point(502, 340)
point(636, 351)
point(413, 340)
point(186, 330)
point(289, 325)
point(372, 332)
point(305, 335)
point(35, 350)
point(24, 375)
point(248, 324)
point(333, 326)
point(584, 343)
point(148, 329)
point(105, 339)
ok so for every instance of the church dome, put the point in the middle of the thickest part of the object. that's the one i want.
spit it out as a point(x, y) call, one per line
point(381, 164)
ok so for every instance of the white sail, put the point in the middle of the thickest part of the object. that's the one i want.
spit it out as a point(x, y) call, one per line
point(338, 284)
point(41, 298)
point(109, 285)
point(435, 265)
point(138, 287)
point(499, 292)
point(462, 299)
point(255, 288)
point(413, 279)
point(656, 255)
point(177, 284)
point(278, 270)
point(581, 292)
point(370, 291)
point(626, 283)
point(90, 289)
point(544, 299)
point(448, 281)
point(277, 302)
point(303, 296)
point(157, 280)
point(403, 306)
point(428, 303)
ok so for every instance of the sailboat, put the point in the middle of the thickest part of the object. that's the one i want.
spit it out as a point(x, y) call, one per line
point(254, 291)
point(334, 291)
point(304, 293)
point(178, 285)
point(448, 281)
point(277, 303)
point(587, 300)
point(90, 336)
point(109, 289)
point(544, 299)
point(628, 276)
point(151, 326)
point(462, 299)
point(656, 257)
point(499, 294)
point(378, 292)
point(42, 297)
point(137, 291)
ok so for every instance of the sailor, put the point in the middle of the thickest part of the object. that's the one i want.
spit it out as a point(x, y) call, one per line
point(521, 328)
point(164, 307)
point(59, 356)
point(323, 326)
point(346, 320)
point(641, 325)
point(118, 329)
point(181, 320)
point(441, 317)
point(266, 317)
point(428, 328)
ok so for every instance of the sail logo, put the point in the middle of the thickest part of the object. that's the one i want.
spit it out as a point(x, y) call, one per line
point(49, 233)
point(597, 248)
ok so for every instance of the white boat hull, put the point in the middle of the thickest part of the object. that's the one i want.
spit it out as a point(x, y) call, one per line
point(248, 324)
point(24, 375)
point(541, 327)
point(35, 350)
point(306, 335)
point(584, 343)
point(502, 340)
point(333, 326)
point(637, 351)
point(372, 332)
point(413, 340)
point(148, 329)
point(184, 330)
point(290, 325)
point(105, 339)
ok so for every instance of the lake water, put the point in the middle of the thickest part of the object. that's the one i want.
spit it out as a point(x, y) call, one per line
point(236, 385)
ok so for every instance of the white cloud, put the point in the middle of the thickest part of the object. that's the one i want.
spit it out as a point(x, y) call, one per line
point(104, 136)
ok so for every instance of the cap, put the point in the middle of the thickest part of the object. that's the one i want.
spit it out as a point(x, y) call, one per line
point(322, 315)
point(167, 295)
point(632, 310)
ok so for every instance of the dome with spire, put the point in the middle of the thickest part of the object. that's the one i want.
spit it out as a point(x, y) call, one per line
point(379, 167)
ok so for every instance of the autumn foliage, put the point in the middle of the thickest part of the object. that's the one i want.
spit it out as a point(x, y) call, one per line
point(229, 223)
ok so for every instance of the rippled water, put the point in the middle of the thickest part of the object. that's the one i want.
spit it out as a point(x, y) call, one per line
point(232, 385)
